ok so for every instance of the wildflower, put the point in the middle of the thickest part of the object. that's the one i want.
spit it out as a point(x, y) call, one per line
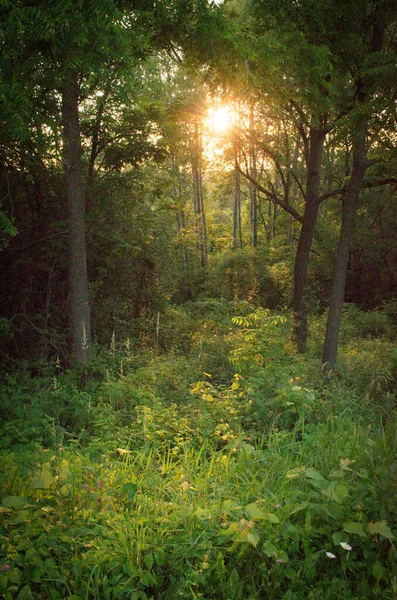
point(330, 555)
point(280, 561)
point(277, 506)
point(6, 568)
point(345, 546)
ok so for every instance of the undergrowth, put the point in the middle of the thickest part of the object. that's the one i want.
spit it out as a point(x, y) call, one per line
point(225, 467)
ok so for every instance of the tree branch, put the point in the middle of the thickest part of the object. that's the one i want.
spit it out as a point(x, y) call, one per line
point(272, 196)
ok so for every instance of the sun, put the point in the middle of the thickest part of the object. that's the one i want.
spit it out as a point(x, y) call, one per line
point(219, 119)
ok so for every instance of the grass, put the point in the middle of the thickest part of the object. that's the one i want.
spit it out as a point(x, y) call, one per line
point(163, 481)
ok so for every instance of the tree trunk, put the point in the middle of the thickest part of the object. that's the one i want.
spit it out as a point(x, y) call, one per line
point(350, 205)
point(237, 233)
point(78, 279)
point(198, 199)
point(301, 266)
point(254, 175)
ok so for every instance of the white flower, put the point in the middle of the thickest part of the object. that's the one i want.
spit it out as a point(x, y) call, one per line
point(345, 546)
point(330, 555)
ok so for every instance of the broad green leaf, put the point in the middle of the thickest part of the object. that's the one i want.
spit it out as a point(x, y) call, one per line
point(338, 537)
point(44, 479)
point(380, 527)
point(130, 490)
point(313, 474)
point(297, 472)
point(159, 557)
point(25, 593)
point(32, 557)
point(269, 549)
point(20, 517)
point(362, 473)
point(148, 559)
point(255, 512)
point(253, 538)
point(378, 571)
point(202, 513)
point(353, 527)
point(336, 491)
point(273, 518)
point(15, 502)
point(233, 527)
point(290, 573)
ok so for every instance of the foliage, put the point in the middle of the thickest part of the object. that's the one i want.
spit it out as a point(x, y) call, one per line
point(161, 481)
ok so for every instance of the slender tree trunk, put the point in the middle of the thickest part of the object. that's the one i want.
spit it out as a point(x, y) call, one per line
point(181, 227)
point(301, 267)
point(237, 232)
point(198, 198)
point(350, 205)
point(254, 175)
point(79, 302)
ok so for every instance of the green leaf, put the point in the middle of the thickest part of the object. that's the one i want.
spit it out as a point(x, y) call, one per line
point(15, 502)
point(336, 491)
point(353, 527)
point(233, 527)
point(297, 472)
point(338, 537)
point(25, 593)
point(269, 549)
point(253, 538)
point(313, 474)
point(148, 559)
point(32, 557)
point(378, 571)
point(35, 575)
point(159, 557)
point(273, 518)
point(20, 517)
point(290, 573)
point(380, 527)
point(130, 490)
point(43, 480)
point(362, 473)
point(255, 512)
point(202, 513)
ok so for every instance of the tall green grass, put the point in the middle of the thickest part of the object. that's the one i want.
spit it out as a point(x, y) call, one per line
point(166, 481)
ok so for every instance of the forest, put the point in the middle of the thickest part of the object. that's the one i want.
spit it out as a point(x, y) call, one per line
point(198, 299)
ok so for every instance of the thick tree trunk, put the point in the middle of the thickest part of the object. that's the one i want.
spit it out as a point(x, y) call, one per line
point(350, 205)
point(79, 302)
point(301, 267)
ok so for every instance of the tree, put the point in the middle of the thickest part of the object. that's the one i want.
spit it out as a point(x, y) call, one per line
point(369, 77)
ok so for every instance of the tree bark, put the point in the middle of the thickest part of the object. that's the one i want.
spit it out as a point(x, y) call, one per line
point(351, 200)
point(301, 266)
point(78, 278)
point(237, 232)
point(254, 175)
point(198, 198)
point(350, 205)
